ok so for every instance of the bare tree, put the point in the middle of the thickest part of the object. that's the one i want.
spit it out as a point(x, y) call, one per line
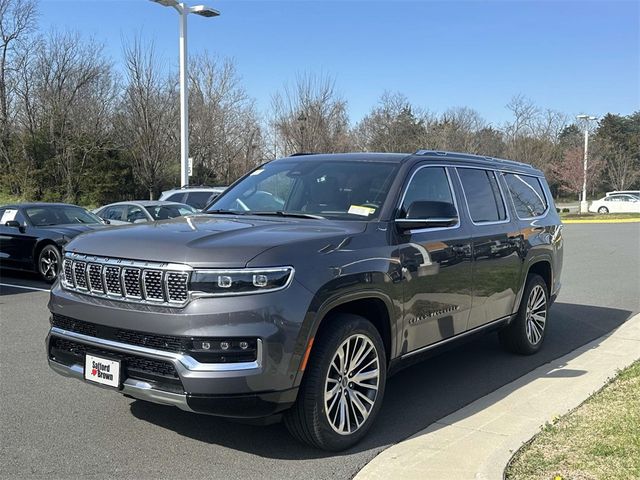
point(148, 117)
point(17, 22)
point(457, 130)
point(66, 95)
point(621, 168)
point(311, 116)
point(393, 125)
point(225, 135)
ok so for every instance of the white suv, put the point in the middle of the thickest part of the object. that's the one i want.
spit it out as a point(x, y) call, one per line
point(197, 197)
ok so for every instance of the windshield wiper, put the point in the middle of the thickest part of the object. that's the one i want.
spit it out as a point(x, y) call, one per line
point(226, 212)
point(281, 213)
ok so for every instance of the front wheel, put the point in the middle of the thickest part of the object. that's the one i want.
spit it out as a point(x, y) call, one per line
point(525, 333)
point(343, 386)
point(603, 210)
point(49, 261)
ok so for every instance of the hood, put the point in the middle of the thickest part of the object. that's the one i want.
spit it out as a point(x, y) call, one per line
point(72, 230)
point(207, 241)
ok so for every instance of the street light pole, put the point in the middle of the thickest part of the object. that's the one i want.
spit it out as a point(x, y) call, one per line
point(584, 205)
point(183, 10)
point(184, 101)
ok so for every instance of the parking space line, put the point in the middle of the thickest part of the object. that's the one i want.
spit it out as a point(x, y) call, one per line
point(23, 287)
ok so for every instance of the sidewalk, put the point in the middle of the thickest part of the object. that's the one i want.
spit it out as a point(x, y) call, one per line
point(477, 441)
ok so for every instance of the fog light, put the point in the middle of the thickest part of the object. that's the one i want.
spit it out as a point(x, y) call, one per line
point(244, 345)
point(224, 345)
point(206, 345)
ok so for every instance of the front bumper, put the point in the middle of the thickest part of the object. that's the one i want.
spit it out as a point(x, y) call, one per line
point(154, 389)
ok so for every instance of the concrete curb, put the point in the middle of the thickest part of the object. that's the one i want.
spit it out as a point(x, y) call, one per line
point(613, 220)
point(477, 441)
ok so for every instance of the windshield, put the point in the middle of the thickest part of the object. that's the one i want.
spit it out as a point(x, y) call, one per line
point(345, 189)
point(164, 212)
point(43, 216)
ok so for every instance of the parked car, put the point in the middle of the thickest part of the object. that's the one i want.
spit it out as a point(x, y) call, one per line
point(197, 197)
point(32, 235)
point(123, 213)
point(308, 283)
point(617, 203)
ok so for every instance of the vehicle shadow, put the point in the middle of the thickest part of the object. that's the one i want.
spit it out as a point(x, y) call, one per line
point(19, 278)
point(415, 397)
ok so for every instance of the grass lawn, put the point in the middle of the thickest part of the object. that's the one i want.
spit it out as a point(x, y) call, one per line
point(598, 440)
point(597, 216)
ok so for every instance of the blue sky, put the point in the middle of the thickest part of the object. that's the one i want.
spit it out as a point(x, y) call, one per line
point(571, 56)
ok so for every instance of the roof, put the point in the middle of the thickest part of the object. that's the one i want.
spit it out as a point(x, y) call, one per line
point(38, 204)
point(439, 156)
point(144, 203)
point(356, 157)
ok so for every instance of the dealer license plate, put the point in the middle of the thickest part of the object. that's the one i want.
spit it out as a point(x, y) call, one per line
point(104, 371)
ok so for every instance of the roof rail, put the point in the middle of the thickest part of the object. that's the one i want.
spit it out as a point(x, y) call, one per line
point(199, 186)
point(473, 157)
point(299, 154)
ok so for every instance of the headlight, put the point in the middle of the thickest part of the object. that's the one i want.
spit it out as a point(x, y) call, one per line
point(246, 281)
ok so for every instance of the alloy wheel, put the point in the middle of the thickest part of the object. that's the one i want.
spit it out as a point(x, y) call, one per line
point(351, 385)
point(49, 264)
point(536, 314)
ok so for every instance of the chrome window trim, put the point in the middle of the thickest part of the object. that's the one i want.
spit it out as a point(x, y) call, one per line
point(544, 193)
point(185, 361)
point(451, 189)
point(502, 196)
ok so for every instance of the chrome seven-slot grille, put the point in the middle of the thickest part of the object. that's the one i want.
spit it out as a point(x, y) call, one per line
point(126, 280)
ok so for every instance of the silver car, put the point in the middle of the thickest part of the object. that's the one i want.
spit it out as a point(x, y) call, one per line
point(124, 213)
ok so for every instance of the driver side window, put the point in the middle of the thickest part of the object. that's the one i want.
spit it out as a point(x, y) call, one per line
point(429, 184)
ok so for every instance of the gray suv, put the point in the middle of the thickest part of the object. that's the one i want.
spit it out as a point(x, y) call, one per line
point(307, 283)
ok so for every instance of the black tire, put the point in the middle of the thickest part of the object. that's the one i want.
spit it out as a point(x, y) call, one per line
point(603, 210)
point(525, 334)
point(308, 420)
point(49, 263)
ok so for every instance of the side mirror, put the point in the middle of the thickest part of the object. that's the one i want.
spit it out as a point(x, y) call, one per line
point(13, 223)
point(426, 214)
point(105, 221)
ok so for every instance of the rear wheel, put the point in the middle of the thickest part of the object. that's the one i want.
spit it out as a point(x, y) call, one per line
point(525, 333)
point(603, 210)
point(49, 262)
point(342, 389)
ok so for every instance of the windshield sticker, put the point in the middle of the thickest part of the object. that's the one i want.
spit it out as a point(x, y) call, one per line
point(362, 211)
point(8, 215)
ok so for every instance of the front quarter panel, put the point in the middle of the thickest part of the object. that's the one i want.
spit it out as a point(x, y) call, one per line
point(340, 270)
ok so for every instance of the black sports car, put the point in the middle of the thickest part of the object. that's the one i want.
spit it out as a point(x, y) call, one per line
point(32, 235)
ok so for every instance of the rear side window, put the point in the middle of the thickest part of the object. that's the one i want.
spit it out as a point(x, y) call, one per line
point(527, 195)
point(176, 197)
point(483, 195)
point(198, 199)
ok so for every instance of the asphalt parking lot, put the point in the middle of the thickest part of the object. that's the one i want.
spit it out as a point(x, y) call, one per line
point(55, 427)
